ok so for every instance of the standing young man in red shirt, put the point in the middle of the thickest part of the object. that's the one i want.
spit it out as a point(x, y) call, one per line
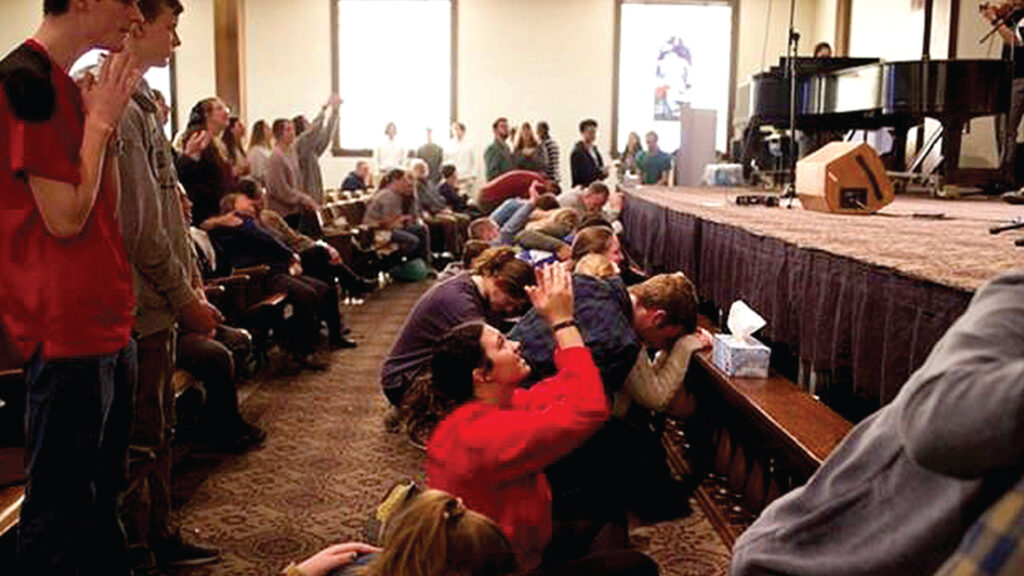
point(65, 288)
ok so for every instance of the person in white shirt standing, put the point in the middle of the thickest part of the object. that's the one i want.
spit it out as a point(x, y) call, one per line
point(460, 155)
point(390, 154)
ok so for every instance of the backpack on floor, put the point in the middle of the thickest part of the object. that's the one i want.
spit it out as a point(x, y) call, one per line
point(410, 271)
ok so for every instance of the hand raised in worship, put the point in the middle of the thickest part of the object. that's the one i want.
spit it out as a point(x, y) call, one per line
point(106, 96)
point(334, 101)
point(552, 296)
point(331, 558)
point(197, 143)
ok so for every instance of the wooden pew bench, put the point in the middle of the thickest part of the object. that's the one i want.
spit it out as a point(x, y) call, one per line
point(750, 439)
point(12, 470)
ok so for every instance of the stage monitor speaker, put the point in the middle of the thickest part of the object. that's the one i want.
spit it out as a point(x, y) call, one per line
point(845, 178)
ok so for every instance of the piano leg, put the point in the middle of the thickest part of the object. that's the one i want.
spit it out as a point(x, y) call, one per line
point(953, 134)
point(987, 179)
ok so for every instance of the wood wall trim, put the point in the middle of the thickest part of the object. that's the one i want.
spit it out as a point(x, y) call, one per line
point(844, 13)
point(617, 48)
point(175, 105)
point(954, 29)
point(734, 57)
point(229, 43)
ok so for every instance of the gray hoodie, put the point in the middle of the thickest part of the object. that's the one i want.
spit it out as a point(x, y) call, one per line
point(151, 218)
point(309, 146)
point(897, 496)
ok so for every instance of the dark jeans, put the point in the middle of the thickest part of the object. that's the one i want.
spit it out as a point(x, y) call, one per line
point(212, 362)
point(147, 503)
point(79, 418)
point(316, 262)
point(306, 223)
point(413, 241)
point(312, 301)
point(618, 469)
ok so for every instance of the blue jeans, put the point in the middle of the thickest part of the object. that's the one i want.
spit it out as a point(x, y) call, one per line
point(79, 418)
point(509, 207)
point(413, 241)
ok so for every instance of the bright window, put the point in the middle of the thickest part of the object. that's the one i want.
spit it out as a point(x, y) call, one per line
point(394, 65)
point(158, 79)
point(670, 54)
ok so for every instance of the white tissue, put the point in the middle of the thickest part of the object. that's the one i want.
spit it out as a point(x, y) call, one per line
point(743, 321)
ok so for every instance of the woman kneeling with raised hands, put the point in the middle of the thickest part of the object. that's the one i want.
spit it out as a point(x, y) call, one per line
point(493, 448)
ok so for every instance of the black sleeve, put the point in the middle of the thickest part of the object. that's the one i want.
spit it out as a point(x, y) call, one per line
point(25, 74)
point(579, 168)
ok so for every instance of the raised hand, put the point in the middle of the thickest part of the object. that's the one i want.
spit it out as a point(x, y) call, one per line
point(106, 96)
point(197, 143)
point(552, 296)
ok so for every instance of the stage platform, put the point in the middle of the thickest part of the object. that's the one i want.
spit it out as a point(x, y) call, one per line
point(858, 299)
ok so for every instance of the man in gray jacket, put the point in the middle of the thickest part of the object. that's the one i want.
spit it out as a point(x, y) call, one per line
point(157, 247)
point(897, 496)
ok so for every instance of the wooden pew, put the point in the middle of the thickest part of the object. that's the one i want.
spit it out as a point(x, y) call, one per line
point(12, 470)
point(750, 439)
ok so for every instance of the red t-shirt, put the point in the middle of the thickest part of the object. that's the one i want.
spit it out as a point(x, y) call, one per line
point(494, 457)
point(72, 296)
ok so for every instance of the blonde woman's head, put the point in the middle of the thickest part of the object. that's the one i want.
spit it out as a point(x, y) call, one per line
point(436, 535)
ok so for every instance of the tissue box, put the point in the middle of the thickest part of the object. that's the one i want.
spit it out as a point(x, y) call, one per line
point(742, 358)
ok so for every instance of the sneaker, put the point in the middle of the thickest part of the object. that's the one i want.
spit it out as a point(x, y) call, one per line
point(175, 551)
point(343, 343)
point(1015, 197)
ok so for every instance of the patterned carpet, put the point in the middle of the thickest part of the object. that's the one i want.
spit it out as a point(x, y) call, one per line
point(327, 459)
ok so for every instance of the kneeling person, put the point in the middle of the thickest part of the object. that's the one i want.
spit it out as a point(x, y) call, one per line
point(492, 450)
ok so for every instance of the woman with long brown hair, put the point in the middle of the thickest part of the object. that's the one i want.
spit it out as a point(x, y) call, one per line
point(234, 142)
point(528, 153)
point(597, 240)
point(627, 161)
point(204, 168)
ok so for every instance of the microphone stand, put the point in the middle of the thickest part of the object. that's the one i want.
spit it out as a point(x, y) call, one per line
point(792, 51)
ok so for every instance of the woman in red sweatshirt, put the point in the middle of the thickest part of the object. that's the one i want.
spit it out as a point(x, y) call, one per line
point(492, 450)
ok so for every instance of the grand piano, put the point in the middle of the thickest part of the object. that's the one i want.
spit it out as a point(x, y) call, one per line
point(842, 94)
